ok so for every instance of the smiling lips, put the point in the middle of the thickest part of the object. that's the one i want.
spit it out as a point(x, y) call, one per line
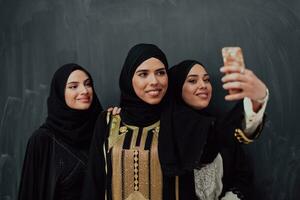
point(154, 92)
point(84, 99)
point(202, 95)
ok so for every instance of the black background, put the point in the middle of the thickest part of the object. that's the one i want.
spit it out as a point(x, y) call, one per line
point(37, 36)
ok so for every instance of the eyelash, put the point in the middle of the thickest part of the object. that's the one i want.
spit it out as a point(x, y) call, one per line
point(144, 74)
point(194, 81)
point(207, 80)
point(158, 73)
point(161, 73)
point(89, 84)
point(73, 87)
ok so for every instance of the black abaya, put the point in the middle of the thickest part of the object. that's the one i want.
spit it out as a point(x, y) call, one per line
point(56, 155)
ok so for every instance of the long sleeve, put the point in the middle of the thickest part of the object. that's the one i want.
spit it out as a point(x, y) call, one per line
point(253, 119)
point(38, 175)
point(230, 196)
point(94, 184)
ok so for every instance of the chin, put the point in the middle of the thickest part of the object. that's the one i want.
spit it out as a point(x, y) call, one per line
point(153, 101)
point(204, 105)
point(83, 107)
point(199, 106)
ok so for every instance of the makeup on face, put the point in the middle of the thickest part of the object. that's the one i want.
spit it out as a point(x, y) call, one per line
point(197, 89)
point(79, 91)
point(150, 81)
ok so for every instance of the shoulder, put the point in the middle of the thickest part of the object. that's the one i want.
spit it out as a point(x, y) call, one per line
point(102, 117)
point(101, 125)
point(41, 138)
point(105, 118)
point(42, 134)
point(39, 147)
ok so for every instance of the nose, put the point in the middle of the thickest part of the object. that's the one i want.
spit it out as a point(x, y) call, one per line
point(153, 79)
point(202, 84)
point(84, 90)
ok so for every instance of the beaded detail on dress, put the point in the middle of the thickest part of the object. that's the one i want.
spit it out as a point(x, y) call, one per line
point(208, 180)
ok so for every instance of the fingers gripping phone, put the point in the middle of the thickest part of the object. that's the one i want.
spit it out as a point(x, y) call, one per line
point(233, 56)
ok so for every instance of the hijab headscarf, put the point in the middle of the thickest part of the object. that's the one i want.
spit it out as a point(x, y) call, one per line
point(134, 110)
point(184, 130)
point(75, 127)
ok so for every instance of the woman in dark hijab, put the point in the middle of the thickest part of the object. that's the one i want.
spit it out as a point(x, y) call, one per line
point(195, 143)
point(124, 161)
point(127, 149)
point(56, 156)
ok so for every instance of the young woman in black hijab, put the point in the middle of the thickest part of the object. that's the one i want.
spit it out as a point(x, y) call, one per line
point(56, 156)
point(124, 160)
point(197, 144)
point(130, 158)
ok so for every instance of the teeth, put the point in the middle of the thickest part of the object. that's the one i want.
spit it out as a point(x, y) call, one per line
point(83, 99)
point(203, 95)
point(153, 92)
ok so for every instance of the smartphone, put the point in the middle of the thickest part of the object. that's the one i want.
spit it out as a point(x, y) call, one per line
point(233, 56)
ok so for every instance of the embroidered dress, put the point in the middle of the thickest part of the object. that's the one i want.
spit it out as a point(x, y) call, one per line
point(133, 161)
point(208, 180)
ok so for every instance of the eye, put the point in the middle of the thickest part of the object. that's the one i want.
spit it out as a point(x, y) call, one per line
point(161, 72)
point(206, 80)
point(192, 81)
point(142, 74)
point(72, 87)
point(88, 83)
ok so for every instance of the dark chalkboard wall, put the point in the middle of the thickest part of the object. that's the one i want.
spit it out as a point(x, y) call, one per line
point(37, 36)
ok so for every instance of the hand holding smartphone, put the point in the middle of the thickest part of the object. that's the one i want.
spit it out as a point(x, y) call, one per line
point(233, 56)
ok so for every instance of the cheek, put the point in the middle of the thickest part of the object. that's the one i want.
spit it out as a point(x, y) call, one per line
point(209, 87)
point(164, 82)
point(137, 85)
point(91, 92)
point(187, 93)
point(70, 97)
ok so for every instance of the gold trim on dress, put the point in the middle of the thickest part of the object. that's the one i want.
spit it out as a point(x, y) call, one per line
point(136, 172)
point(144, 173)
point(128, 172)
point(177, 187)
point(114, 133)
point(241, 137)
point(156, 176)
point(117, 169)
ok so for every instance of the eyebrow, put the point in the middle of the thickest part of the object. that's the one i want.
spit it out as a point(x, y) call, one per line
point(76, 82)
point(146, 70)
point(196, 75)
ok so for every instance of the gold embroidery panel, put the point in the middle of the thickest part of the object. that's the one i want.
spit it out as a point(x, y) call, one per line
point(117, 169)
point(128, 172)
point(136, 173)
point(155, 173)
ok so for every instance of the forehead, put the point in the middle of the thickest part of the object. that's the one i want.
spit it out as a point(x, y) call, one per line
point(197, 70)
point(77, 75)
point(150, 64)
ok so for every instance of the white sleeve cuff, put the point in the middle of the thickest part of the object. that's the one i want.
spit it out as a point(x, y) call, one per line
point(253, 119)
point(230, 196)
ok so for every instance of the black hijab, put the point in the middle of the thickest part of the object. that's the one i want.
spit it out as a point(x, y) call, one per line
point(184, 130)
point(75, 127)
point(134, 110)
